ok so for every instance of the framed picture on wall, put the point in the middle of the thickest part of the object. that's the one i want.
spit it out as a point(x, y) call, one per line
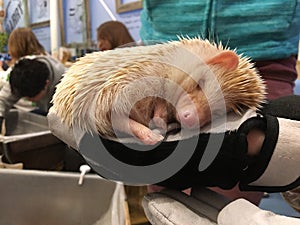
point(127, 5)
point(39, 13)
point(75, 23)
point(16, 14)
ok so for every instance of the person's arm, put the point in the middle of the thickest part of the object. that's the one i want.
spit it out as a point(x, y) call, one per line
point(276, 167)
point(4, 65)
point(271, 166)
point(7, 99)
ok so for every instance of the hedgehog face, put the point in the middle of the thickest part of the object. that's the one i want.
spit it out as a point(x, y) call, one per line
point(193, 110)
point(196, 106)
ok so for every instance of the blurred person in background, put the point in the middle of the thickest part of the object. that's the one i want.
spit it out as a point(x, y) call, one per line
point(266, 31)
point(113, 34)
point(33, 78)
point(21, 42)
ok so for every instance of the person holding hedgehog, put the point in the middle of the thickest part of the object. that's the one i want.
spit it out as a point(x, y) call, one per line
point(243, 26)
point(259, 153)
point(189, 175)
point(91, 102)
point(249, 155)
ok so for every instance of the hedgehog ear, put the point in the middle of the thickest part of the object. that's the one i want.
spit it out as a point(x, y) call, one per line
point(227, 60)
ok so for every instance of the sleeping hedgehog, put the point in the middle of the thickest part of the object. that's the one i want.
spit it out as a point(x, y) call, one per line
point(135, 89)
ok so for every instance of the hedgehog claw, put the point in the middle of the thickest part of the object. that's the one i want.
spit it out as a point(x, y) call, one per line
point(152, 138)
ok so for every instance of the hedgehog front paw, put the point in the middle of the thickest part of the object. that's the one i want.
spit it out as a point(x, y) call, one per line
point(147, 136)
point(144, 134)
point(150, 138)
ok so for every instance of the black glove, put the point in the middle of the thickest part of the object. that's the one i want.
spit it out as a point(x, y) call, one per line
point(284, 107)
point(277, 166)
point(223, 172)
point(232, 164)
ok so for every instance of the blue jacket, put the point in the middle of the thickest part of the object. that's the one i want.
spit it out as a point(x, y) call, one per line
point(260, 29)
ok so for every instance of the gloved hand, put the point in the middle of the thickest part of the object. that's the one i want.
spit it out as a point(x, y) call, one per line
point(275, 169)
point(278, 158)
point(277, 166)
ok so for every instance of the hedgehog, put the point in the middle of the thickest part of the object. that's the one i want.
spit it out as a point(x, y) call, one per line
point(132, 90)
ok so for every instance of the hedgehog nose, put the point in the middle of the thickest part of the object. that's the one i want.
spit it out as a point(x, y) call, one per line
point(187, 119)
point(186, 114)
point(183, 115)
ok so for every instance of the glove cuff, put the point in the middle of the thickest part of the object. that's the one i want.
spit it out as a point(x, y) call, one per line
point(276, 168)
